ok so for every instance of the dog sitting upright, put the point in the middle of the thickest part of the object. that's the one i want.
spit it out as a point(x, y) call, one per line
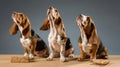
point(59, 43)
point(30, 41)
point(89, 42)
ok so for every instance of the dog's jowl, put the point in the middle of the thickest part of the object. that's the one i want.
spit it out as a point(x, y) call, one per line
point(31, 42)
point(89, 41)
point(59, 43)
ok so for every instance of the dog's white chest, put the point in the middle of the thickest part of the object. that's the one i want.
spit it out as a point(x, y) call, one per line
point(25, 42)
point(86, 47)
point(54, 41)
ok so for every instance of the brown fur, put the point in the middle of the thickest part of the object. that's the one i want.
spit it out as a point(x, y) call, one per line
point(21, 20)
point(59, 24)
point(14, 28)
point(97, 49)
point(61, 31)
point(45, 25)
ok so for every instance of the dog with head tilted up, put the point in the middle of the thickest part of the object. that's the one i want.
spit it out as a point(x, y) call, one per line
point(31, 42)
point(59, 43)
point(89, 43)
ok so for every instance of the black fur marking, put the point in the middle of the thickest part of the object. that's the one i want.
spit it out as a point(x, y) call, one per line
point(40, 43)
point(58, 21)
point(88, 34)
point(24, 32)
point(68, 44)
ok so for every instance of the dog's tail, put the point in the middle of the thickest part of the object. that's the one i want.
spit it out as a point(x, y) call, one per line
point(101, 61)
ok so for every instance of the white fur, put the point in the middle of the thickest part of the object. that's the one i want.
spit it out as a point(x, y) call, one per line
point(55, 14)
point(54, 38)
point(25, 54)
point(31, 56)
point(58, 38)
point(25, 42)
point(20, 28)
point(84, 18)
point(55, 45)
point(85, 45)
point(86, 48)
point(62, 51)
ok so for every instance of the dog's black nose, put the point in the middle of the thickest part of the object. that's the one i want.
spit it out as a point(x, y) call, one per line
point(81, 15)
point(14, 13)
point(50, 8)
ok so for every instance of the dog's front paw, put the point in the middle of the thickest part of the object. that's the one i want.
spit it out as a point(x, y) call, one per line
point(25, 54)
point(49, 59)
point(71, 56)
point(80, 58)
point(31, 56)
point(92, 60)
point(62, 59)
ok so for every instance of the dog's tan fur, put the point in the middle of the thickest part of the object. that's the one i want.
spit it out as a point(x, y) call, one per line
point(89, 42)
point(54, 23)
point(29, 39)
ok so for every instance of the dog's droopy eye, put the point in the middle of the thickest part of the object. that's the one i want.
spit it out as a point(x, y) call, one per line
point(21, 15)
point(18, 22)
point(56, 11)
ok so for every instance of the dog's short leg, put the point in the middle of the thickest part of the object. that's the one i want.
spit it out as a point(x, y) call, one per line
point(32, 52)
point(51, 53)
point(62, 53)
point(105, 53)
point(25, 51)
point(93, 53)
point(31, 56)
point(71, 52)
point(82, 54)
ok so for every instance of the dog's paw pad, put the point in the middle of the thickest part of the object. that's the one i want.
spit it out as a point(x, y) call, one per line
point(49, 59)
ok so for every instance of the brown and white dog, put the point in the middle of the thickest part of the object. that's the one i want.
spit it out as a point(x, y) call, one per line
point(30, 41)
point(89, 42)
point(59, 43)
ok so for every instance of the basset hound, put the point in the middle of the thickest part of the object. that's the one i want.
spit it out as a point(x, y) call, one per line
point(89, 42)
point(59, 43)
point(31, 42)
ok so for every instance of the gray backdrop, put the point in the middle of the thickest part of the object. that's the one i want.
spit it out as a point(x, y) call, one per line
point(105, 13)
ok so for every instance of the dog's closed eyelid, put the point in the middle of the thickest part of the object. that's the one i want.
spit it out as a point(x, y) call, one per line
point(18, 22)
point(20, 14)
point(56, 11)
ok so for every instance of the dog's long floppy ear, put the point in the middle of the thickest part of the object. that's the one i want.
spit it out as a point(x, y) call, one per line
point(58, 21)
point(91, 22)
point(92, 30)
point(45, 25)
point(13, 30)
